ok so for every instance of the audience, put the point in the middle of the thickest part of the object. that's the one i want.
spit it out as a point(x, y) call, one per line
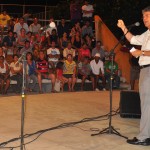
point(60, 53)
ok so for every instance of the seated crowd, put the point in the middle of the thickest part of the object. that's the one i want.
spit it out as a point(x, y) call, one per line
point(59, 53)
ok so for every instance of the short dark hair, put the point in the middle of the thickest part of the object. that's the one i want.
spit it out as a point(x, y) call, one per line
point(146, 9)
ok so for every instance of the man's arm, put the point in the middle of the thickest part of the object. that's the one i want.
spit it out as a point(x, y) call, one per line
point(127, 34)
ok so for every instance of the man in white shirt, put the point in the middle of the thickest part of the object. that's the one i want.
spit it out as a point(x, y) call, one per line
point(35, 26)
point(97, 67)
point(87, 10)
point(19, 25)
point(143, 137)
point(53, 55)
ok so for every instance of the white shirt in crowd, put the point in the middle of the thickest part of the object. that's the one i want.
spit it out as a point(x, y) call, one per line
point(96, 67)
point(87, 8)
point(144, 40)
point(53, 51)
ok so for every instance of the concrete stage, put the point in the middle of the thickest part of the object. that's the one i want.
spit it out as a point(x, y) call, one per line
point(43, 111)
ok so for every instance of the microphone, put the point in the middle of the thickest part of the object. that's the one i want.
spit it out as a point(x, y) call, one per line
point(136, 24)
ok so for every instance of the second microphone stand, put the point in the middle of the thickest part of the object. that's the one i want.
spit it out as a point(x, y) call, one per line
point(110, 129)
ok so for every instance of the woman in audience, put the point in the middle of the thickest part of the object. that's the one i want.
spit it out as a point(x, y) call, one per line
point(76, 44)
point(21, 39)
point(16, 73)
point(87, 39)
point(84, 51)
point(4, 76)
point(31, 72)
point(69, 72)
point(64, 41)
point(76, 28)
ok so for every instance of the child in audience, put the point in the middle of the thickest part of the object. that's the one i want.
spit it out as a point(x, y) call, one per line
point(59, 75)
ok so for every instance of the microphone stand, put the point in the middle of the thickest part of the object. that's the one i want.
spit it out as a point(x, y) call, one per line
point(110, 129)
point(23, 102)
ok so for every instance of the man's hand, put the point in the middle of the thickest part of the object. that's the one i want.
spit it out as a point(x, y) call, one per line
point(137, 53)
point(121, 24)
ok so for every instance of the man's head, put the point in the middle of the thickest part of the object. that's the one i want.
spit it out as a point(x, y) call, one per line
point(98, 44)
point(146, 17)
point(97, 57)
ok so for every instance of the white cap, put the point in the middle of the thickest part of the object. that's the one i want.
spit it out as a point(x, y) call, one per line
point(97, 55)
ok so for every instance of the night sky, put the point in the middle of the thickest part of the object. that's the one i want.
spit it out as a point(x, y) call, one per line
point(31, 2)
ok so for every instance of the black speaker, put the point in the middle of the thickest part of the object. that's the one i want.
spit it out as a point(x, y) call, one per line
point(130, 104)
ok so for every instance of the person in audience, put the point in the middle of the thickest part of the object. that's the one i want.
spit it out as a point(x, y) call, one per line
point(26, 48)
point(35, 54)
point(115, 77)
point(63, 28)
point(70, 71)
point(35, 26)
point(98, 71)
point(11, 25)
point(69, 50)
point(50, 27)
point(53, 54)
point(29, 34)
point(85, 72)
point(88, 40)
point(4, 19)
point(21, 24)
point(59, 75)
point(64, 41)
point(76, 44)
point(87, 30)
point(16, 71)
point(43, 71)
point(9, 43)
point(84, 51)
point(21, 39)
point(4, 76)
point(31, 72)
point(76, 28)
point(87, 10)
point(75, 11)
point(53, 37)
point(27, 16)
point(100, 50)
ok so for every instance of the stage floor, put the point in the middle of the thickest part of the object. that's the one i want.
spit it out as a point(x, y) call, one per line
point(47, 111)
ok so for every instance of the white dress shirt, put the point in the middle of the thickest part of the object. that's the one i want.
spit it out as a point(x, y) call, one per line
point(144, 40)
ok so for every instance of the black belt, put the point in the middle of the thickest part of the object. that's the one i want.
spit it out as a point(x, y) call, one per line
point(144, 66)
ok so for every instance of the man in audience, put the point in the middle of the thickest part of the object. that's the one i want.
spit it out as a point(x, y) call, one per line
point(87, 30)
point(21, 24)
point(62, 28)
point(43, 71)
point(100, 50)
point(75, 11)
point(53, 55)
point(98, 71)
point(9, 42)
point(85, 72)
point(87, 10)
point(26, 48)
point(35, 26)
point(114, 75)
